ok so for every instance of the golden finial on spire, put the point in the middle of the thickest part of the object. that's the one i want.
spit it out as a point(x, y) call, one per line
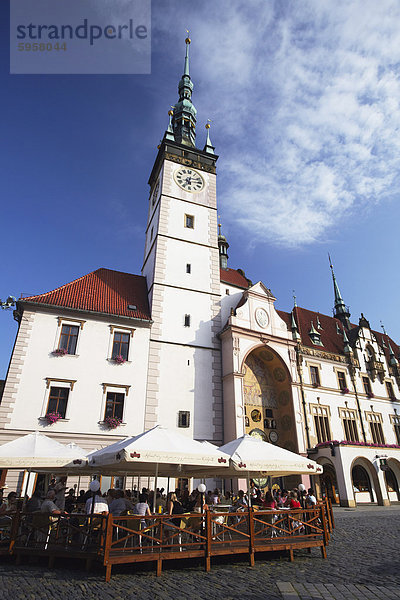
point(188, 40)
point(208, 124)
point(170, 112)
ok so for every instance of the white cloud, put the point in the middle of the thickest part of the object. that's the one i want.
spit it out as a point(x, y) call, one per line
point(305, 96)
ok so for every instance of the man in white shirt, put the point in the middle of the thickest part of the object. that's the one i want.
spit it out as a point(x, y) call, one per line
point(311, 500)
point(100, 505)
point(118, 505)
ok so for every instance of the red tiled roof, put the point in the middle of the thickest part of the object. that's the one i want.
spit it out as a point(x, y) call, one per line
point(102, 291)
point(234, 277)
point(331, 339)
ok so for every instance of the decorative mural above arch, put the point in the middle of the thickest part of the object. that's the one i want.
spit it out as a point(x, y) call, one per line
point(268, 405)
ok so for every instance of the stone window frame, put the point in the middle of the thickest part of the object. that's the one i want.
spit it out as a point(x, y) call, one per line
point(120, 329)
point(319, 371)
point(57, 382)
point(388, 382)
point(395, 422)
point(324, 411)
point(375, 418)
point(120, 388)
point(71, 322)
point(349, 414)
point(341, 370)
point(186, 220)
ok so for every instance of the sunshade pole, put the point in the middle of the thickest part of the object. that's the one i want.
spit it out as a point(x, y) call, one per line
point(27, 482)
point(155, 488)
point(79, 487)
point(248, 489)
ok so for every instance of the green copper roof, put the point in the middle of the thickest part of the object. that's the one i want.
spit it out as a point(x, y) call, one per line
point(184, 116)
point(341, 311)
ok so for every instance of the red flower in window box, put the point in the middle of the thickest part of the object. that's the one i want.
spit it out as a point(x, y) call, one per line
point(370, 395)
point(112, 422)
point(119, 359)
point(345, 390)
point(60, 352)
point(53, 417)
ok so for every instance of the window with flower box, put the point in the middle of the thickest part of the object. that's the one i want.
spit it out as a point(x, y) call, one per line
point(68, 338)
point(375, 426)
point(349, 423)
point(58, 400)
point(120, 345)
point(114, 405)
point(395, 420)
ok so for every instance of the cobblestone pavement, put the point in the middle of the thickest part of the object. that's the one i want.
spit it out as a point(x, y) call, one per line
point(363, 563)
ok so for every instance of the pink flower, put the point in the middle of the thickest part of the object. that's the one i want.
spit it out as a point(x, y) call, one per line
point(60, 352)
point(53, 417)
point(119, 359)
point(112, 422)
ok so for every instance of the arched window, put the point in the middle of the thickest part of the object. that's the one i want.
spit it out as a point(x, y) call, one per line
point(361, 481)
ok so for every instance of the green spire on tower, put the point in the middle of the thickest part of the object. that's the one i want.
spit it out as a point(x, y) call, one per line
point(341, 311)
point(184, 117)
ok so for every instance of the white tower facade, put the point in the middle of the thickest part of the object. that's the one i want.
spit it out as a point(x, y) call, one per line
point(181, 266)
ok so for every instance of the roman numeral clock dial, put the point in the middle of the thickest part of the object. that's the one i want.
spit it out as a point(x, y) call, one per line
point(189, 180)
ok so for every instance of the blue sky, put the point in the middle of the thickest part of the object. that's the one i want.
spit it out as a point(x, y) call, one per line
point(304, 102)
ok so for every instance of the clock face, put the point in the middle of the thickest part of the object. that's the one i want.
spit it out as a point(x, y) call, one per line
point(261, 317)
point(189, 180)
point(273, 437)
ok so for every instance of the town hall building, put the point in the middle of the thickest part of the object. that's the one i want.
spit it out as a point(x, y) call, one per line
point(194, 345)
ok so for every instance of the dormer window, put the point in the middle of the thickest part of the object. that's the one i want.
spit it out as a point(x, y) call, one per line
point(315, 336)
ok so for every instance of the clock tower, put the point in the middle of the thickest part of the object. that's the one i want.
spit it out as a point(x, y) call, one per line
point(181, 266)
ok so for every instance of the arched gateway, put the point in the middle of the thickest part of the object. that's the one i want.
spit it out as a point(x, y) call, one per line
point(267, 399)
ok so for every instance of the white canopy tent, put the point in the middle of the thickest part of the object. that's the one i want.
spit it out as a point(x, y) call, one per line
point(173, 452)
point(37, 451)
point(250, 456)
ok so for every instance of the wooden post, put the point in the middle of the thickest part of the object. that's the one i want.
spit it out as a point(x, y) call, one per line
point(107, 546)
point(251, 536)
point(328, 515)
point(331, 513)
point(291, 555)
point(323, 519)
point(159, 566)
point(14, 530)
point(207, 515)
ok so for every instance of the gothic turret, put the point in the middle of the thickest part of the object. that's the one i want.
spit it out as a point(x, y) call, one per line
point(223, 249)
point(184, 116)
point(340, 311)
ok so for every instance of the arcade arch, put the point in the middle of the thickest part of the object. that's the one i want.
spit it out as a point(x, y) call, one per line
point(366, 488)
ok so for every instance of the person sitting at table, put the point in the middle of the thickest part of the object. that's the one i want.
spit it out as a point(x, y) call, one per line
point(70, 500)
point(34, 503)
point(310, 500)
point(100, 505)
point(241, 502)
point(216, 497)
point(49, 506)
point(269, 501)
point(60, 489)
point(292, 501)
point(8, 509)
point(118, 506)
point(174, 507)
point(142, 508)
point(81, 498)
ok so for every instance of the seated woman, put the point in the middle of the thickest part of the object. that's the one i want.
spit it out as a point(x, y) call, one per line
point(292, 501)
point(269, 501)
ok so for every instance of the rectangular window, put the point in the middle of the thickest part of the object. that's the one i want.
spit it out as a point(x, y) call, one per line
point(375, 427)
point(390, 390)
point(183, 418)
point(189, 221)
point(187, 321)
point(121, 345)
point(377, 433)
point(188, 268)
point(342, 380)
point(114, 405)
point(69, 338)
point(367, 386)
point(397, 432)
point(349, 425)
point(314, 374)
point(227, 291)
point(321, 422)
point(58, 399)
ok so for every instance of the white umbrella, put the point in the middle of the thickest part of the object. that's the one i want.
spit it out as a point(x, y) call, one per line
point(172, 451)
point(250, 456)
point(36, 451)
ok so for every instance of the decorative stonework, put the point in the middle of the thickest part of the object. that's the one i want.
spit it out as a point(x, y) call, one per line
point(16, 366)
point(190, 163)
point(327, 356)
